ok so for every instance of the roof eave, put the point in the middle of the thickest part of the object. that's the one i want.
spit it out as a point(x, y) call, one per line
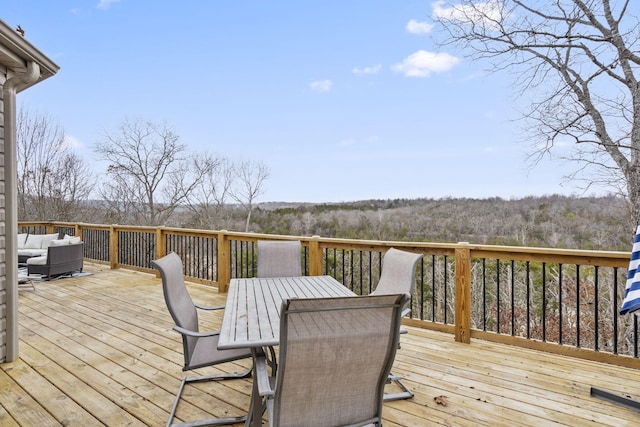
point(16, 52)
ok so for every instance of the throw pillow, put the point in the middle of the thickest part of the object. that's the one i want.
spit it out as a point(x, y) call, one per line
point(47, 238)
point(22, 239)
point(34, 241)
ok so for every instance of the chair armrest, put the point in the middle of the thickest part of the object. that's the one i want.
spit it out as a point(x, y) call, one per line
point(262, 377)
point(204, 307)
point(184, 331)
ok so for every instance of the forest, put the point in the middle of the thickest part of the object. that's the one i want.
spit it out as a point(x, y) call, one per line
point(554, 221)
point(598, 223)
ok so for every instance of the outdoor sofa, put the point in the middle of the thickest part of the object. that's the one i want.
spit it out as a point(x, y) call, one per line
point(48, 255)
point(34, 245)
point(60, 259)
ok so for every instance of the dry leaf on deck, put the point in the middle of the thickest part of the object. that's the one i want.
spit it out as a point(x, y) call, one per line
point(441, 400)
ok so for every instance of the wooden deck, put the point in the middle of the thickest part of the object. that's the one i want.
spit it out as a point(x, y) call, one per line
point(99, 350)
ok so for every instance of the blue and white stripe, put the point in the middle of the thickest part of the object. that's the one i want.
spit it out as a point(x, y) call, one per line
point(631, 300)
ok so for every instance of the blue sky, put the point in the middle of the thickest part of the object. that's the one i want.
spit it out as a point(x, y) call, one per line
point(343, 100)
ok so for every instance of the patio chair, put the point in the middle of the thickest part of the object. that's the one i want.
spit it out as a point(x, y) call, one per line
point(200, 348)
point(335, 356)
point(398, 276)
point(279, 258)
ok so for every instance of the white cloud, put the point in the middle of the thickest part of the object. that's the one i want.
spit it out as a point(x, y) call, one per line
point(415, 27)
point(321, 85)
point(487, 14)
point(104, 4)
point(367, 70)
point(71, 141)
point(423, 63)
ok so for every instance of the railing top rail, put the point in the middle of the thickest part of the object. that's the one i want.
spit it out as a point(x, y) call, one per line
point(578, 256)
point(541, 250)
point(567, 256)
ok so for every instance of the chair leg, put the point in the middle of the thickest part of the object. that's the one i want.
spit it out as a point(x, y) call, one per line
point(210, 421)
point(404, 394)
point(256, 399)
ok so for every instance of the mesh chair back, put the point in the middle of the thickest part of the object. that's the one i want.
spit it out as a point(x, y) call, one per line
point(279, 258)
point(177, 298)
point(398, 272)
point(335, 356)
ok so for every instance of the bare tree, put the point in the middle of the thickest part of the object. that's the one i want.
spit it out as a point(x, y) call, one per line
point(150, 173)
point(53, 181)
point(120, 201)
point(249, 185)
point(578, 60)
point(207, 204)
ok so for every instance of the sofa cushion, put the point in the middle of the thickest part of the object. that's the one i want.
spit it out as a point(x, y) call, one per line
point(67, 240)
point(47, 239)
point(39, 241)
point(34, 241)
point(22, 239)
point(31, 252)
point(38, 260)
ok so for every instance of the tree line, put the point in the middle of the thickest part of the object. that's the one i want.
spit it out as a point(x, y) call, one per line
point(149, 175)
point(595, 222)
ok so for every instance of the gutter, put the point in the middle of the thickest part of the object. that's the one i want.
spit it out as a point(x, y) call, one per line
point(12, 86)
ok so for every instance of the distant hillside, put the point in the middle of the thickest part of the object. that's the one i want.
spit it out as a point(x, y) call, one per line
point(600, 223)
point(550, 221)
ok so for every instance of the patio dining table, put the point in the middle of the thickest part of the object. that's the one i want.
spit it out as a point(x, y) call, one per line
point(252, 315)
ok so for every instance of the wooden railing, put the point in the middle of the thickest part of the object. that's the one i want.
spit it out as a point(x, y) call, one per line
point(556, 300)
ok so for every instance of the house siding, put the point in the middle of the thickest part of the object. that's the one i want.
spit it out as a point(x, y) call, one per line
point(3, 240)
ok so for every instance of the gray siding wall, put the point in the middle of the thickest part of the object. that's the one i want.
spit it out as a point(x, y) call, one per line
point(3, 247)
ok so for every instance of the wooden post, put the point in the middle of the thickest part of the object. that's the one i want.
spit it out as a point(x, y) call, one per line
point(113, 247)
point(161, 245)
point(224, 275)
point(315, 256)
point(463, 293)
point(79, 231)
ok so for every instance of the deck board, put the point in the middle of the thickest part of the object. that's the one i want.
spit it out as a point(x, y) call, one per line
point(99, 350)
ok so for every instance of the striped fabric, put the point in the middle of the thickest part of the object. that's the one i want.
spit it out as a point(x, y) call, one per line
point(631, 300)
